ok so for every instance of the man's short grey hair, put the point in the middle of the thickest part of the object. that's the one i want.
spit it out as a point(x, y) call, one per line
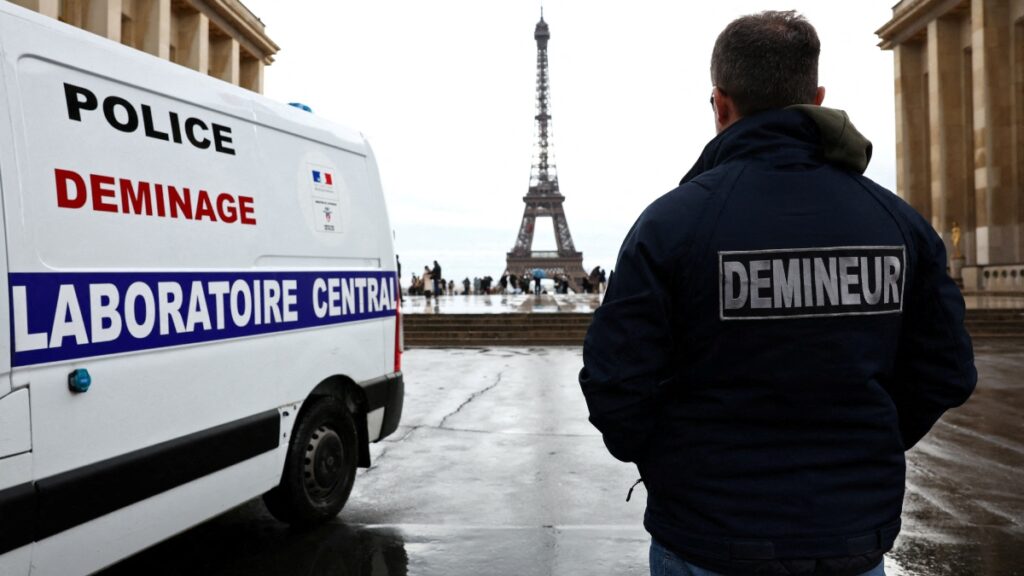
point(767, 60)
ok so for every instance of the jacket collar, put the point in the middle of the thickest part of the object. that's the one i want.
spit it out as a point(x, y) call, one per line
point(793, 136)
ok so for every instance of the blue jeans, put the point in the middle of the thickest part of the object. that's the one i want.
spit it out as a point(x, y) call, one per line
point(666, 563)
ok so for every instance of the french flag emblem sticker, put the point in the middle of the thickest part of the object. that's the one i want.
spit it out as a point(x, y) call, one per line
point(323, 177)
point(324, 180)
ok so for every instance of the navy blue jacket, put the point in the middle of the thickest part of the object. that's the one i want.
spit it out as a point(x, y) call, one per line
point(778, 330)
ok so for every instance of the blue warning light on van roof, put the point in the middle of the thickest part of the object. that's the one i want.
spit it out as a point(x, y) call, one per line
point(301, 106)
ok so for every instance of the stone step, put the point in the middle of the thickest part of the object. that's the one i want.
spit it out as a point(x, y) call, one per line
point(456, 328)
point(541, 318)
point(493, 335)
point(975, 330)
point(514, 326)
point(977, 322)
point(499, 327)
point(558, 317)
point(505, 323)
point(502, 342)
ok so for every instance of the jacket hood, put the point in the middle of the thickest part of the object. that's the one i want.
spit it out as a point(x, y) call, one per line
point(802, 134)
point(841, 143)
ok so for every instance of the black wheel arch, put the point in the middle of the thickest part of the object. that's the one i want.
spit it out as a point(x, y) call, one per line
point(354, 398)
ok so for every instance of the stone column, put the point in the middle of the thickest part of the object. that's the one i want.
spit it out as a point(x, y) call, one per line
point(193, 40)
point(224, 59)
point(946, 121)
point(153, 22)
point(1018, 141)
point(912, 151)
point(969, 205)
point(49, 8)
point(996, 199)
point(251, 70)
point(103, 17)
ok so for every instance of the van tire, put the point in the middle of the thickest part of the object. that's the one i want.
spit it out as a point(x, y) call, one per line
point(320, 467)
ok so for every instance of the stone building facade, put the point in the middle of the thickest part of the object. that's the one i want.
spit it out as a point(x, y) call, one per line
point(959, 67)
point(221, 38)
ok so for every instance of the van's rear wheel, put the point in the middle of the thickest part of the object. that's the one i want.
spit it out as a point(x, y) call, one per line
point(320, 468)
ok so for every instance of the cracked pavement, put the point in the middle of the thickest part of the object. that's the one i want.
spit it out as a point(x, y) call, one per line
point(496, 470)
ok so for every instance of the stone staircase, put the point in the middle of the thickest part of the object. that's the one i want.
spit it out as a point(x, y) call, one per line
point(568, 329)
point(995, 323)
point(454, 330)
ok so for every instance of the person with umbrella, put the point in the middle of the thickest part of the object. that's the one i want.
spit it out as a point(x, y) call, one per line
point(538, 275)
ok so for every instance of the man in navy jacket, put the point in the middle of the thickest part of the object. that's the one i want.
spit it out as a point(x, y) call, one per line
point(778, 332)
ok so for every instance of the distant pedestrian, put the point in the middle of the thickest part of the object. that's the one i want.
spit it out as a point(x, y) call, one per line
point(561, 284)
point(587, 286)
point(398, 265)
point(428, 285)
point(465, 286)
point(595, 278)
point(602, 280)
point(451, 287)
point(476, 285)
point(435, 275)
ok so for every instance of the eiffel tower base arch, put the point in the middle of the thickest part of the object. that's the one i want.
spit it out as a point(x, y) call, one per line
point(553, 265)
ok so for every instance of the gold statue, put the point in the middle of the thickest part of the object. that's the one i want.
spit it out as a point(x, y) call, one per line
point(955, 232)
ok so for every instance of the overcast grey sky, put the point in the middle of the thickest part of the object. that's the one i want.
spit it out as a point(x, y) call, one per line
point(445, 92)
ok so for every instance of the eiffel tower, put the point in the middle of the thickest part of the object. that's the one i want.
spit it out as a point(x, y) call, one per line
point(543, 198)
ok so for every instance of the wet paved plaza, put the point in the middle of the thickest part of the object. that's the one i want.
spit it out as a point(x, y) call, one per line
point(495, 470)
point(964, 509)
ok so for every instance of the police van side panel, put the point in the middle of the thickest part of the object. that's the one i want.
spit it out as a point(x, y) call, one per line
point(192, 402)
point(15, 423)
point(347, 237)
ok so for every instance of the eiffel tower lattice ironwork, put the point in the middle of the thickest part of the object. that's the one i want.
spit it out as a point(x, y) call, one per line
point(543, 198)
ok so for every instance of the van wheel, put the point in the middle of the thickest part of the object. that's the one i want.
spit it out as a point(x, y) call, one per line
point(320, 468)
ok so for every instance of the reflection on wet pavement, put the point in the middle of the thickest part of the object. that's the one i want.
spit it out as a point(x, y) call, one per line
point(248, 541)
point(502, 304)
point(963, 514)
point(234, 548)
point(495, 470)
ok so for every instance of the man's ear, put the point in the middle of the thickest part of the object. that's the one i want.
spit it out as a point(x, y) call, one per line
point(819, 96)
point(725, 110)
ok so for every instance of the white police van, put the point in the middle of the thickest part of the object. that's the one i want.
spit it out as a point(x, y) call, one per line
point(198, 304)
